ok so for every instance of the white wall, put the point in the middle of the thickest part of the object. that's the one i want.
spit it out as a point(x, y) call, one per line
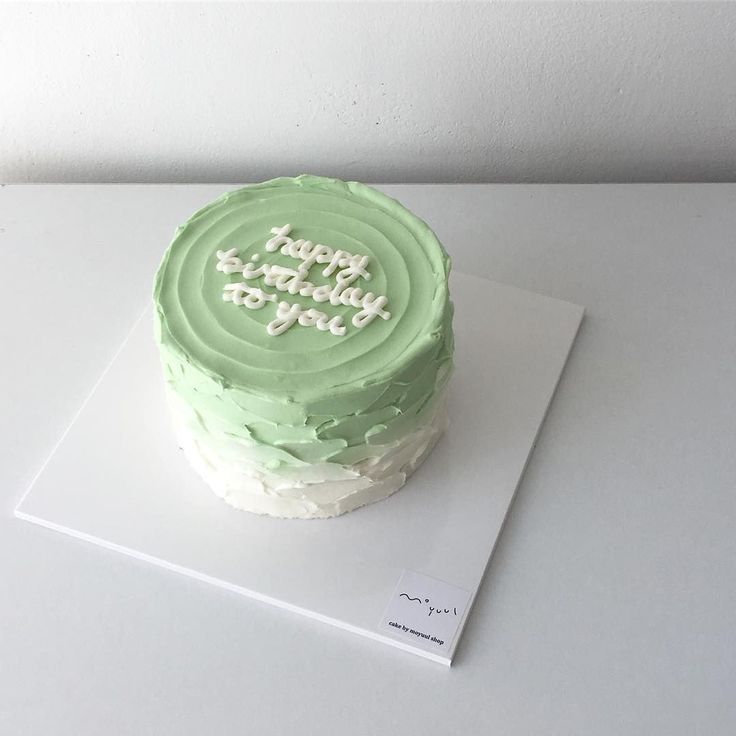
point(401, 92)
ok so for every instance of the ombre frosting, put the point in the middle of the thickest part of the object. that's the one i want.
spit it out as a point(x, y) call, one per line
point(305, 423)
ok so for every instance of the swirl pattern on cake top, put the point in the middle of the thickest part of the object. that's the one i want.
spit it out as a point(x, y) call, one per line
point(305, 423)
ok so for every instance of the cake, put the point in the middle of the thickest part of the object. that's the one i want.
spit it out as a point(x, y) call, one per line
point(305, 330)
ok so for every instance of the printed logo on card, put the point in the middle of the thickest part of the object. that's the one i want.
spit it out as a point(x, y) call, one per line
point(425, 611)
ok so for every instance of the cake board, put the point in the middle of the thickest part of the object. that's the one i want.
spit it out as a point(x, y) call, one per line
point(117, 479)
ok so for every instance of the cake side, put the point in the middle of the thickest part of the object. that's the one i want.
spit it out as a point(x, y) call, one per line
point(314, 420)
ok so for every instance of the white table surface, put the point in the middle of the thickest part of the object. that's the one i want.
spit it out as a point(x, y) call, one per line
point(610, 604)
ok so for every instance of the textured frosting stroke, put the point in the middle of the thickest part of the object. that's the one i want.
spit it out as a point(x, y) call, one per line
point(306, 404)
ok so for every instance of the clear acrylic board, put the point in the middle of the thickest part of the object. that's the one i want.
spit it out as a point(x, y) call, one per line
point(117, 479)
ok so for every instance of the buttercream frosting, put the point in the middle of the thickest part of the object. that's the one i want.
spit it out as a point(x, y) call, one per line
point(305, 363)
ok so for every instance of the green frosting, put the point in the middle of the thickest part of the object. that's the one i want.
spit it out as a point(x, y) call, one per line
point(306, 396)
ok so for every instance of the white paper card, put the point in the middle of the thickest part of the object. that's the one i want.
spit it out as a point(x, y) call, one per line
point(426, 611)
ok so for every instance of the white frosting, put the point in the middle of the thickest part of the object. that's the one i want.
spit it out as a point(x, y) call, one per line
point(347, 268)
point(230, 467)
point(287, 314)
point(281, 238)
point(248, 296)
point(292, 281)
point(228, 261)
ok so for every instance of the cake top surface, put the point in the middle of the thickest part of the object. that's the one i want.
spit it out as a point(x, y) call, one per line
point(301, 287)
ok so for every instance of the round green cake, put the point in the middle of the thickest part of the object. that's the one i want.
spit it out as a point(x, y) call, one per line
point(305, 331)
